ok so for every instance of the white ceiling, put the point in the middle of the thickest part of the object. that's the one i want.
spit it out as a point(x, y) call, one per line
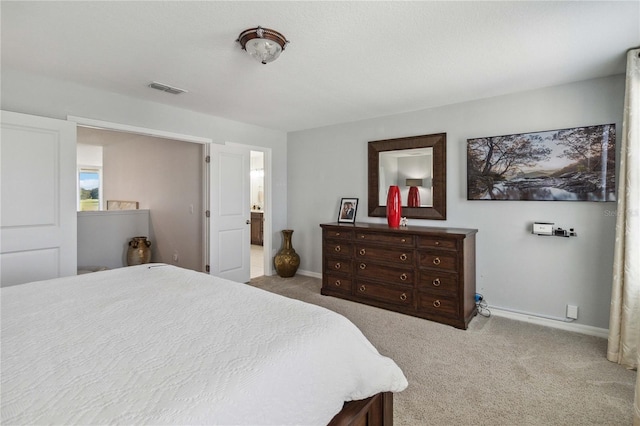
point(347, 61)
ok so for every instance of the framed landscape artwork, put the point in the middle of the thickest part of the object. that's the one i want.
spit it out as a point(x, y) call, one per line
point(576, 164)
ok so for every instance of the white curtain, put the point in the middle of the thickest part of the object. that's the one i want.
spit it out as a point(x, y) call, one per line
point(624, 323)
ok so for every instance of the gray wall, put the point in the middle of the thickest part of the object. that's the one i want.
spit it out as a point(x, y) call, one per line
point(103, 236)
point(515, 269)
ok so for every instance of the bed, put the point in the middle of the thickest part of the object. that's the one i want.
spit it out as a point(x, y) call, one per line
point(158, 344)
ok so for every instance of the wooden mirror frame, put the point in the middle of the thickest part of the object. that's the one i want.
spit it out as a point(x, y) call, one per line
point(438, 142)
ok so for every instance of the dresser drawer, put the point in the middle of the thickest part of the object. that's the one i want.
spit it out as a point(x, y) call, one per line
point(436, 242)
point(398, 256)
point(338, 248)
point(338, 265)
point(446, 261)
point(374, 271)
point(434, 281)
point(384, 293)
point(339, 234)
point(438, 304)
point(336, 282)
point(400, 240)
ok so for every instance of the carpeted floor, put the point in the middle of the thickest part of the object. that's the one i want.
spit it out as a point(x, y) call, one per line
point(498, 372)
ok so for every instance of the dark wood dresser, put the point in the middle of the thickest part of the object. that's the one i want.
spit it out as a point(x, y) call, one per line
point(421, 271)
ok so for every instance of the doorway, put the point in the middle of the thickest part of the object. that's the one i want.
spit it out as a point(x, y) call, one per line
point(257, 202)
point(266, 180)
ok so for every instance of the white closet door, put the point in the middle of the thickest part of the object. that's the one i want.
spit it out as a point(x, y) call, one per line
point(37, 207)
point(230, 221)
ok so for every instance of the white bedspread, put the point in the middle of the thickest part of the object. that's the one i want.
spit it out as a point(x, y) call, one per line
point(157, 344)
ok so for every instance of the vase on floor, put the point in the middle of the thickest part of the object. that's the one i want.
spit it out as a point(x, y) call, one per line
point(394, 207)
point(287, 260)
point(139, 251)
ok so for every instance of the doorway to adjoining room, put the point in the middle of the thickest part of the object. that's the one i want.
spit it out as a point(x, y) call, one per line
point(257, 213)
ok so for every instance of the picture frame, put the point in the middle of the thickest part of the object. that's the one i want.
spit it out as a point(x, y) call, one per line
point(572, 164)
point(122, 205)
point(348, 210)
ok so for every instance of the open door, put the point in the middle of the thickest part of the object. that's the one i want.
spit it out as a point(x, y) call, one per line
point(38, 180)
point(230, 213)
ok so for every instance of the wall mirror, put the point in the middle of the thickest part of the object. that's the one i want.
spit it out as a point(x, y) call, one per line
point(418, 166)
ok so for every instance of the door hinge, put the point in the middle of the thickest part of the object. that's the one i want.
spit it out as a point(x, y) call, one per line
point(207, 213)
point(206, 268)
point(207, 159)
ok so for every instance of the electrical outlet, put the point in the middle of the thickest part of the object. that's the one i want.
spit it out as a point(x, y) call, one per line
point(572, 311)
point(175, 256)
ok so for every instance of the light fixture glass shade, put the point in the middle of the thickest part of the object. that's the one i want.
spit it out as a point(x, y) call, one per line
point(263, 44)
point(263, 50)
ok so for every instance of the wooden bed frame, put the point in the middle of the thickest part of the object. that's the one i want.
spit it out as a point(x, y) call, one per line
point(374, 411)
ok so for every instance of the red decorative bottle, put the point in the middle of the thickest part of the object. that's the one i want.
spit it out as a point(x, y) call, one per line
point(414, 197)
point(394, 206)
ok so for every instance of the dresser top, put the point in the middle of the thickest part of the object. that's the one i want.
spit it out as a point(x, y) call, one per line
point(379, 227)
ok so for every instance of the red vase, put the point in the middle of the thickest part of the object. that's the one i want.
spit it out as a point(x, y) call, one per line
point(414, 197)
point(394, 206)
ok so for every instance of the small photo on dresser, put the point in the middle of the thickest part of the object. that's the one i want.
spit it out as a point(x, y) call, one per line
point(347, 212)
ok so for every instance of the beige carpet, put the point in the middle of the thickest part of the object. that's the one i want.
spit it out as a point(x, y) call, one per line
point(498, 372)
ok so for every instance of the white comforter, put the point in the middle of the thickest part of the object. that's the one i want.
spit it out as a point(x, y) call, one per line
point(157, 344)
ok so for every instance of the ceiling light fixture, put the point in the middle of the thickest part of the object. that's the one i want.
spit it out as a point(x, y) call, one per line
point(263, 44)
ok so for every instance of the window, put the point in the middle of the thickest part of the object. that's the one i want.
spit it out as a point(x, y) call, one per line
point(89, 189)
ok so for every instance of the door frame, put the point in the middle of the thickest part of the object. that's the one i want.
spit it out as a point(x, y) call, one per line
point(107, 125)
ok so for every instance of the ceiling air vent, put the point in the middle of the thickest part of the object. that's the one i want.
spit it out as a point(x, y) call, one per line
point(166, 88)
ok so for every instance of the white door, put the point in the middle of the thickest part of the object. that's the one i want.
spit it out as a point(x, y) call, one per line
point(230, 213)
point(38, 208)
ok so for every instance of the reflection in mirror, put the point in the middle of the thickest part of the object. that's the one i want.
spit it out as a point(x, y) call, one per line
point(412, 171)
point(417, 165)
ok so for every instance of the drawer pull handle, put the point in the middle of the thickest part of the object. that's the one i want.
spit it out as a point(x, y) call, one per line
point(436, 282)
point(362, 237)
point(436, 261)
point(338, 283)
point(337, 249)
point(403, 296)
point(362, 288)
point(363, 266)
point(362, 252)
point(337, 265)
point(403, 277)
point(403, 256)
point(403, 240)
point(436, 303)
point(437, 243)
point(337, 234)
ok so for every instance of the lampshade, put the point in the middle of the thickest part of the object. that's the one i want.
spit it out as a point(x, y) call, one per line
point(414, 182)
point(263, 44)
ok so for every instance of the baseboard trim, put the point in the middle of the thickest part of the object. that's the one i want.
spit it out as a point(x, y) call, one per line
point(309, 273)
point(569, 326)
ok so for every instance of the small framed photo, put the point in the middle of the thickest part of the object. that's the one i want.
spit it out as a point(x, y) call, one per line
point(348, 209)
